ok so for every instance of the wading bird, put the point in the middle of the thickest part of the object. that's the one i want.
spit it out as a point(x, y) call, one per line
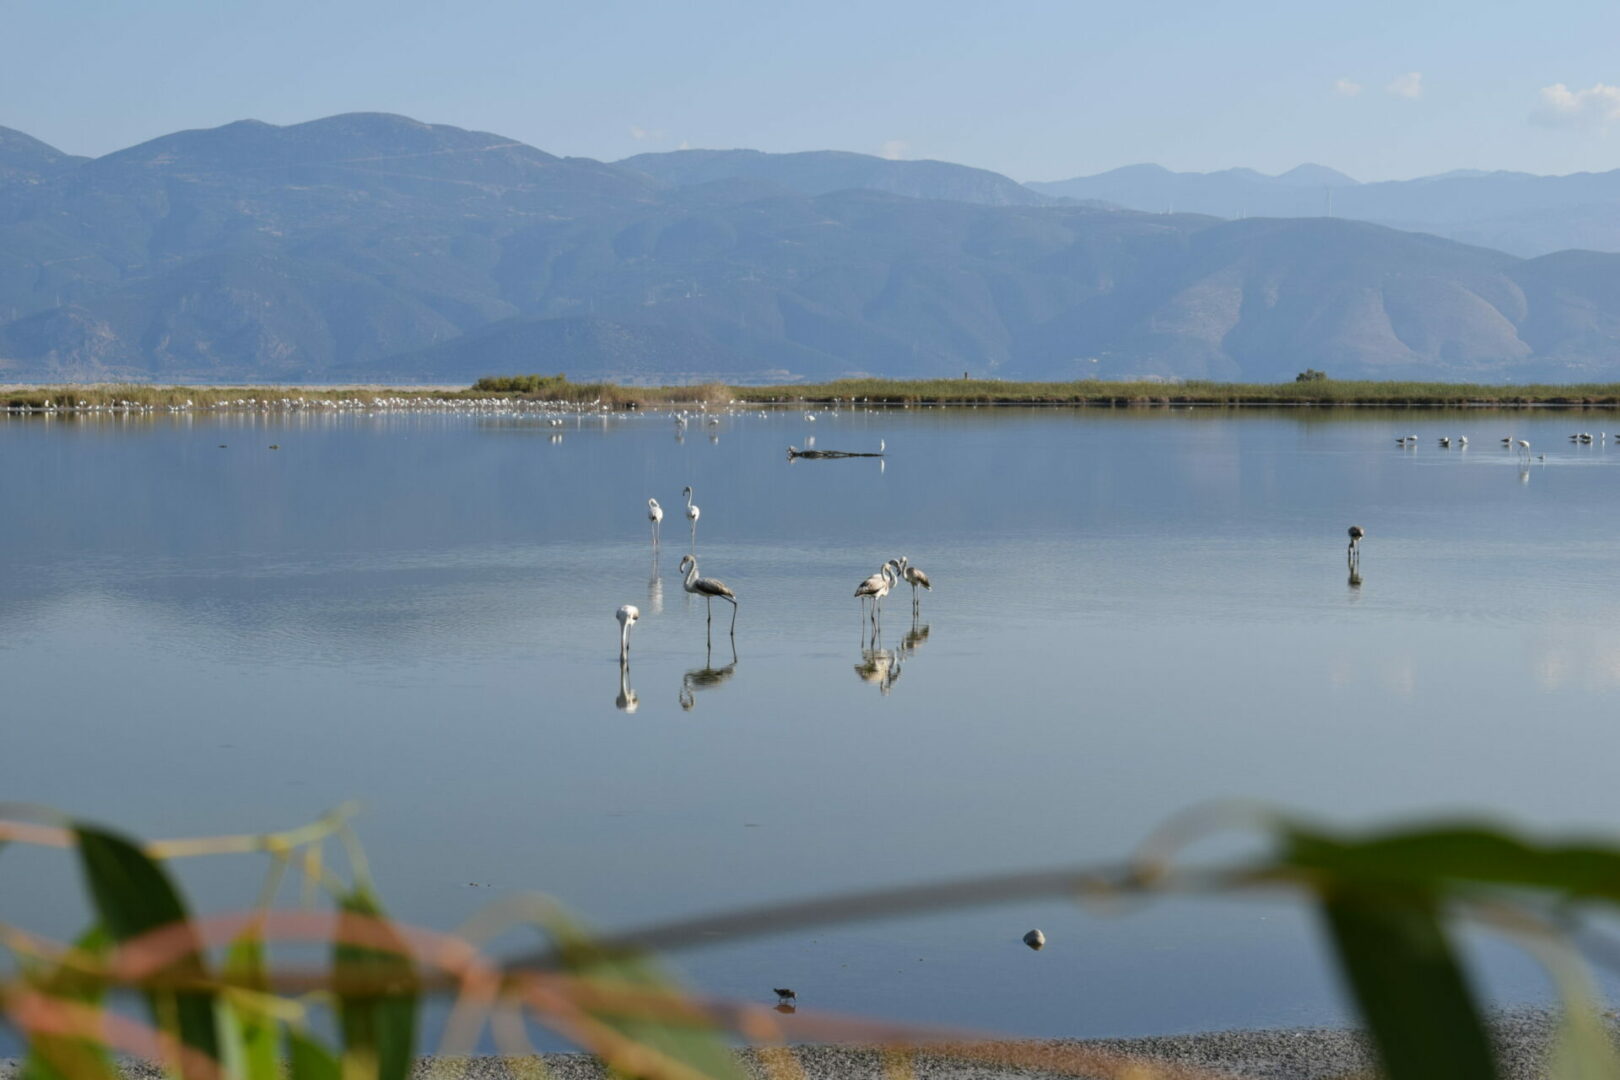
point(655, 514)
point(708, 588)
point(692, 512)
point(784, 996)
point(877, 587)
point(1356, 533)
point(914, 577)
point(627, 616)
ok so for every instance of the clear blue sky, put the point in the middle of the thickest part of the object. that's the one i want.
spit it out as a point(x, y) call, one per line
point(1041, 91)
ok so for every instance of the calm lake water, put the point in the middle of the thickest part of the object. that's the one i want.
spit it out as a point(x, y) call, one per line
point(1134, 612)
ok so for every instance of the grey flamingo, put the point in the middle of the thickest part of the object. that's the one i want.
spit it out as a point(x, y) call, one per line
point(708, 588)
point(914, 577)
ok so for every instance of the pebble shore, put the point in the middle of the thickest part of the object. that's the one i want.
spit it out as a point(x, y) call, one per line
point(1521, 1038)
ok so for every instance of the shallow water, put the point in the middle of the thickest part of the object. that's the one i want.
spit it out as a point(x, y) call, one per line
point(1134, 612)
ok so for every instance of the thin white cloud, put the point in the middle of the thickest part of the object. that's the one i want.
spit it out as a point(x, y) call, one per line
point(1347, 88)
point(894, 149)
point(1596, 106)
point(1409, 85)
point(641, 134)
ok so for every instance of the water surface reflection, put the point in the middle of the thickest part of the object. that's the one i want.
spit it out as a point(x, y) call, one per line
point(412, 611)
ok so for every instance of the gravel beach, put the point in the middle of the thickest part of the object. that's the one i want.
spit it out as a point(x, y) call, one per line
point(1305, 1054)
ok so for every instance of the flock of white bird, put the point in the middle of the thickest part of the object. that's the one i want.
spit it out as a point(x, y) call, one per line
point(708, 588)
point(1520, 446)
point(875, 587)
point(381, 403)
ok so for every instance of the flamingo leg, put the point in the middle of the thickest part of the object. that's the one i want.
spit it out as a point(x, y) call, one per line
point(734, 620)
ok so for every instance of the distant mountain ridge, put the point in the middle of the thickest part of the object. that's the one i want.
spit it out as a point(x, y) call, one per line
point(1516, 212)
point(372, 247)
point(24, 158)
point(819, 172)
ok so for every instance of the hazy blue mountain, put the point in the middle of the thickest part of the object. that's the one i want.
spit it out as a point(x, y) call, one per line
point(821, 171)
point(24, 159)
point(375, 247)
point(1300, 192)
point(1516, 212)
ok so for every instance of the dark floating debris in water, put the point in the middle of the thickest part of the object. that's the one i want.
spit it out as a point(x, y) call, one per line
point(1035, 940)
point(795, 452)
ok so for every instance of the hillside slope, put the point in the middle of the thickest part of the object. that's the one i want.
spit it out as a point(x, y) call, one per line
point(370, 246)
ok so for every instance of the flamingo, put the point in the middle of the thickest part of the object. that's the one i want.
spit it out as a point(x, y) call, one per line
point(627, 616)
point(914, 577)
point(1356, 533)
point(708, 588)
point(692, 512)
point(655, 514)
point(878, 585)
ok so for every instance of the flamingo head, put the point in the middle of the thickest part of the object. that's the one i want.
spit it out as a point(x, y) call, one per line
point(628, 614)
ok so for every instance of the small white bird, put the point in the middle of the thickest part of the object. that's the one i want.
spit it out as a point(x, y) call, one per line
point(627, 616)
point(655, 514)
point(692, 513)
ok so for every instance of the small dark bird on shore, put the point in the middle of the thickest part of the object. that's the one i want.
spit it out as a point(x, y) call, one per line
point(784, 996)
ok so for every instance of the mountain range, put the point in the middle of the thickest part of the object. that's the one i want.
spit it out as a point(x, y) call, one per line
point(371, 247)
point(1514, 212)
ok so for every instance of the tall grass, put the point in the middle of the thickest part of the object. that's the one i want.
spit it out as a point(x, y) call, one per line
point(1390, 903)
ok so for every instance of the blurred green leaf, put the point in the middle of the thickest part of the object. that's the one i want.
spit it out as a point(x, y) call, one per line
point(248, 1033)
point(1460, 854)
point(309, 1060)
point(133, 895)
point(696, 1044)
point(54, 1057)
point(1412, 994)
point(379, 1029)
point(1582, 1048)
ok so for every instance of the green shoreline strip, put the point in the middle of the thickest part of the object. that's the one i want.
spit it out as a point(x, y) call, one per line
point(1089, 392)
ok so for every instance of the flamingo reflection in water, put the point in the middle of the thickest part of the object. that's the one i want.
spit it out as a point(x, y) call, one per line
point(706, 677)
point(880, 667)
point(655, 589)
point(627, 700)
